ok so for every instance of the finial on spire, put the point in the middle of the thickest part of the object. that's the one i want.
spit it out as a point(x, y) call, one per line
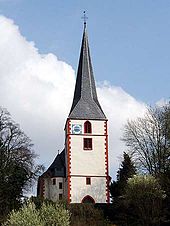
point(84, 18)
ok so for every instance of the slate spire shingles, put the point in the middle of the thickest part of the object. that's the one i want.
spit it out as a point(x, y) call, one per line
point(85, 102)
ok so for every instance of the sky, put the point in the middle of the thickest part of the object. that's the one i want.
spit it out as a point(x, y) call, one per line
point(39, 49)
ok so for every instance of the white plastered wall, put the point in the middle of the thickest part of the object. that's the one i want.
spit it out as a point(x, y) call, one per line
point(52, 191)
point(97, 189)
point(88, 163)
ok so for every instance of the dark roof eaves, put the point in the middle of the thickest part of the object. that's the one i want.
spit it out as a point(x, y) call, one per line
point(88, 118)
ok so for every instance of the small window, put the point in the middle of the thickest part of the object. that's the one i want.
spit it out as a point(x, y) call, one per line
point(60, 196)
point(87, 143)
point(60, 185)
point(87, 127)
point(54, 181)
point(88, 180)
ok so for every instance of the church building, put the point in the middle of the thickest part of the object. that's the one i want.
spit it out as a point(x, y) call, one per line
point(80, 172)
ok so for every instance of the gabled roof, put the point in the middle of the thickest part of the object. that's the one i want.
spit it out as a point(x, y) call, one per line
point(85, 102)
point(57, 168)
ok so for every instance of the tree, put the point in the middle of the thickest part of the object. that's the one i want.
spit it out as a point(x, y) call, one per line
point(126, 171)
point(17, 163)
point(148, 140)
point(48, 214)
point(145, 195)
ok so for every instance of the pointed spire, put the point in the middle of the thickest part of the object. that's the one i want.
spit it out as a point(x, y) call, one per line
point(84, 18)
point(85, 102)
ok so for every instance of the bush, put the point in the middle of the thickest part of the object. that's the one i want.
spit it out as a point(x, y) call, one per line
point(86, 215)
point(26, 216)
point(46, 215)
point(146, 196)
point(54, 215)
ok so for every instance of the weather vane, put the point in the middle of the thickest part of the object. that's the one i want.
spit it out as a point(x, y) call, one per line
point(84, 18)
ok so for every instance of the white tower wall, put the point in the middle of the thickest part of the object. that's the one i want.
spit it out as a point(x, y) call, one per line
point(87, 163)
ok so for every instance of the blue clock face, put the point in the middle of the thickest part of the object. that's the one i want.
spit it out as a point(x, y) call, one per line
point(76, 128)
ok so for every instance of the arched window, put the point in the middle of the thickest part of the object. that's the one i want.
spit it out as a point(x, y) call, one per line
point(87, 127)
point(88, 199)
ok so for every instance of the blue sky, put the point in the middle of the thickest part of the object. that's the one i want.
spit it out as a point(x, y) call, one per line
point(129, 39)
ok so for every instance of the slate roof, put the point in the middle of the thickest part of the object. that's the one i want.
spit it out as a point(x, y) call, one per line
point(57, 168)
point(85, 102)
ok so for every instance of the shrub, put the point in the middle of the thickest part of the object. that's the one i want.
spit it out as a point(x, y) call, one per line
point(47, 215)
point(86, 215)
point(145, 195)
point(54, 215)
point(26, 216)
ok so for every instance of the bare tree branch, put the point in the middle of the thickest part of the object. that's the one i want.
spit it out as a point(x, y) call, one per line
point(148, 140)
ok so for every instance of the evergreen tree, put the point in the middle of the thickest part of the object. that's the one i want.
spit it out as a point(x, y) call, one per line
point(126, 171)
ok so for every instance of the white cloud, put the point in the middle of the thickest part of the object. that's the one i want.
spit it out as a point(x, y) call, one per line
point(118, 106)
point(38, 89)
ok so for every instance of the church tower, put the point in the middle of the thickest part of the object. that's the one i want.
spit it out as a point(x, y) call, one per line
point(86, 141)
point(80, 172)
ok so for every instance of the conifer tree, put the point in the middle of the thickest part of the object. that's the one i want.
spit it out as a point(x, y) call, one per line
point(126, 171)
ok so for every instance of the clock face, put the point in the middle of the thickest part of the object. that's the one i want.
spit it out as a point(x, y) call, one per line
point(76, 128)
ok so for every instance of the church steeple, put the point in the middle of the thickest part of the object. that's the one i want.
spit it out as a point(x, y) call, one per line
point(85, 102)
point(78, 170)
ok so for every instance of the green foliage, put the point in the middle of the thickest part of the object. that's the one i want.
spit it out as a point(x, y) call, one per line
point(54, 215)
point(39, 201)
point(126, 171)
point(145, 195)
point(26, 216)
point(48, 214)
point(17, 164)
point(86, 215)
point(141, 204)
point(122, 214)
point(148, 142)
